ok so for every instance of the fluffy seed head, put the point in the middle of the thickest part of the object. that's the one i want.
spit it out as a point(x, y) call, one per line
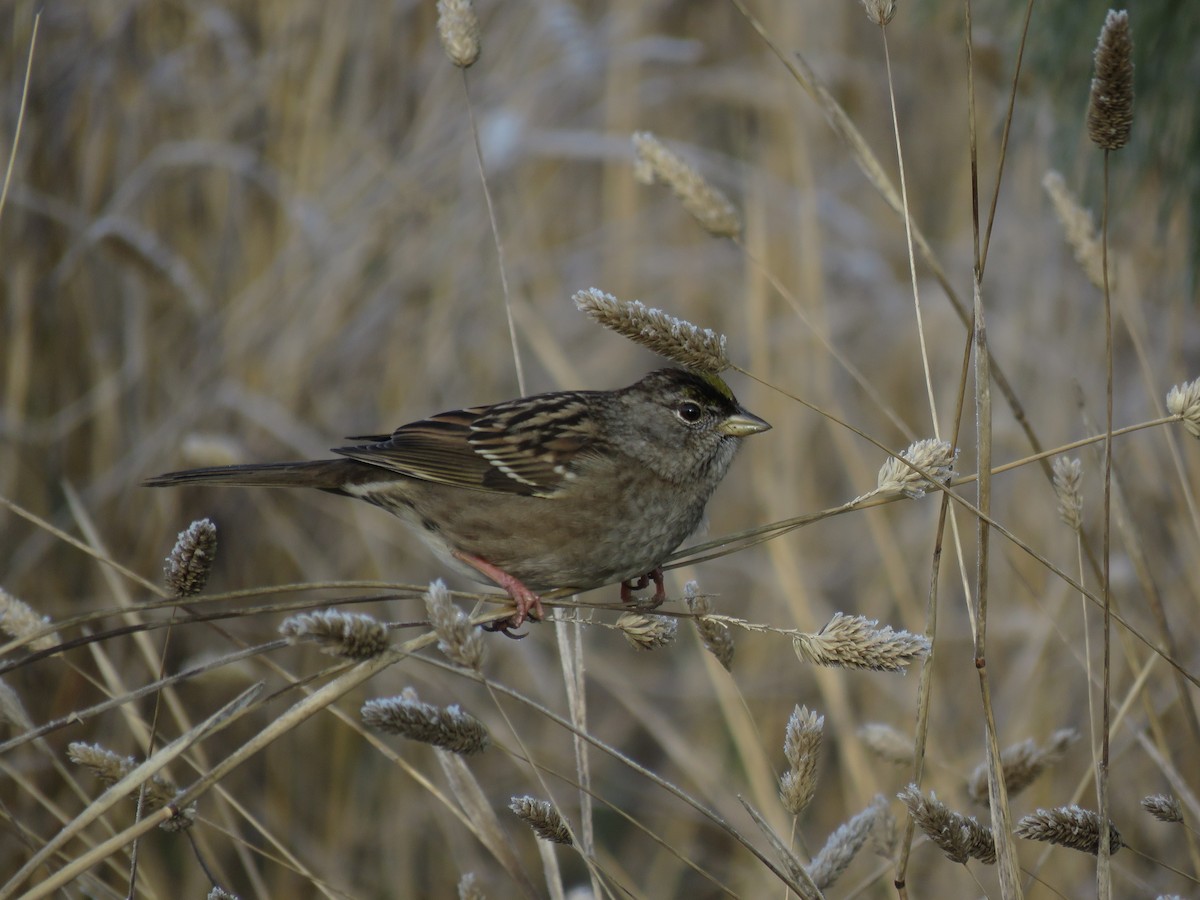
point(707, 205)
point(458, 28)
point(844, 843)
point(857, 643)
point(713, 634)
point(543, 818)
point(449, 729)
point(880, 11)
point(1078, 227)
point(459, 640)
point(887, 743)
point(1021, 764)
point(195, 551)
point(469, 888)
point(676, 339)
point(1067, 475)
point(960, 837)
point(1110, 112)
point(1183, 402)
point(1163, 807)
point(934, 456)
point(802, 747)
point(111, 767)
point(18, 620)
point(1068, 826)
point(355, 636)
point(647, 632)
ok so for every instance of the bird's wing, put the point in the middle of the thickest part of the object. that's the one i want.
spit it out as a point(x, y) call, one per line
point(531, 446)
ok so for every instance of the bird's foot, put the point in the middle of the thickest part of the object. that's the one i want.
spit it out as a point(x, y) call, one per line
point(529, 604)
point(630, 585)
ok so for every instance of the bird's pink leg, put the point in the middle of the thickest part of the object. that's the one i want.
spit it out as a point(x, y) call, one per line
point(528, 603)
point(660, 591)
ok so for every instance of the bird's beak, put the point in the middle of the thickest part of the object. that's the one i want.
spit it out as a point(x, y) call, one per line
point(741, 424)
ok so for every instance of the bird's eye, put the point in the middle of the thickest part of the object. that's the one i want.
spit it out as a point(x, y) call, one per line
point(689, 411)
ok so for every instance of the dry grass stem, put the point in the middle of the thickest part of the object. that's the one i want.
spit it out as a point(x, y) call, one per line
point(1022, 764)
point(932, 455)
point(110, 768)
point(802, 748)
point(449, 728)
point(355, 636)
point(960, 837)
point(191, 559)
point(856, 642)
point(458, 29)
point(1163, 807)
point(543, 818)
point(1183, 402)
point(707, 205)
point(647, 632)
point(1068, 826)
point(1068, 473)
point(1078, 227)
point(1110, 112)
point(18, 620)
point(887, 743)
point(842, 846)
point(880, 11)
point(713, 634)
point(469, 888)
point(458, 640)
point(675, 339)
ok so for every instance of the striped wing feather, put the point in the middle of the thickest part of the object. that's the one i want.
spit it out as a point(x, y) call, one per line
point(530, 446)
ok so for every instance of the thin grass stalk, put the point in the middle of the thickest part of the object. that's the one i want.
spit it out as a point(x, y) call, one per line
point(1006, 852)
point(569, 637)
point(1103, 858)
point(12, 153)
point(908, 237)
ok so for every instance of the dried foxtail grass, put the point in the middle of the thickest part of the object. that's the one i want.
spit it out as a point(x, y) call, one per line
point(714, 635)
point(802, 749)
point(191, 559)
point(1078, 227)
point(1183, 402)
point(1021, 764)
point(887, 743)
point(1163, 807)
point(856, 642)
point(676, 339)
point(448, 728)
point(458, 30)
point(18, 620)
point(706, 204)
point(111, 767)
point(880, 11)
point(458, 640)
point(1110, 110)
point(1068, 473)
point(543, 818)
point(645, 632)
point(843, 845)
point(355, 636)
point(960, 837)
point(931, 455)
point(1068, 826)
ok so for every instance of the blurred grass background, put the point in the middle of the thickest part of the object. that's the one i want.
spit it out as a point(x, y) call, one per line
point(241, 231)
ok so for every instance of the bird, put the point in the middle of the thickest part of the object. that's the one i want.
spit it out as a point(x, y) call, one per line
point(567, 489)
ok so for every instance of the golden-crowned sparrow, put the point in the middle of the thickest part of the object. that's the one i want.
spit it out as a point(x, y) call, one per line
point(572, 489)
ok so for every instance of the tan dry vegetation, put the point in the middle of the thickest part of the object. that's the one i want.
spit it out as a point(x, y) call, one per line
point(239, 232)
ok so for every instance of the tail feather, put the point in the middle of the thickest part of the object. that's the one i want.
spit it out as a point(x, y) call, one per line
point(322, 474)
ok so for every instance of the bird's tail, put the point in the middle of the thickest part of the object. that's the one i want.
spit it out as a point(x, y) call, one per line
point(322, 474)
